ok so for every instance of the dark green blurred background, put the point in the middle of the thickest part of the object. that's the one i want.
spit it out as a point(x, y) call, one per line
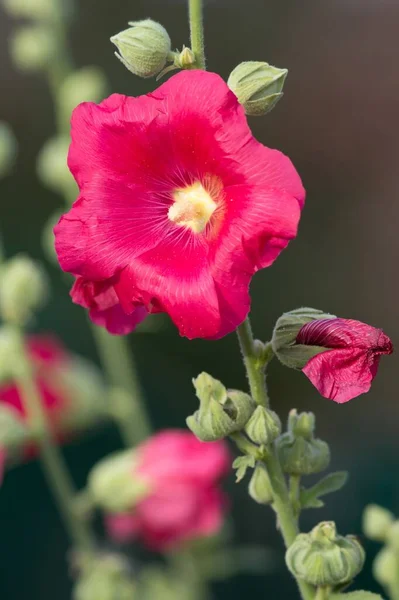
point(338, 122)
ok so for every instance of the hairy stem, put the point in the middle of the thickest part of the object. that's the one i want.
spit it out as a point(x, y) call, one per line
point(254, 367)
point(55, 470)
point(195, 12)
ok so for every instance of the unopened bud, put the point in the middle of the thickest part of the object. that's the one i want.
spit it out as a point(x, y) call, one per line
point(385, 567)
point(258, 86)
point(8, 148)
point(32, 47)
point(377, 522)
point(23, 289)
point(264, 426)
point(259, 486)
point(300, 453)
point(185, 59)
point(108, 578)
point(143, 48)
point(285, 334)
point(221, 412)
point(88, 84)
point(323, 558)
point(114, 485)
point(52, 166)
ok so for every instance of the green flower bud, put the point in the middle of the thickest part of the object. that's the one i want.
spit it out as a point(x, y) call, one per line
point(385, 567)
point(8, 149)
point(13, 432)
point(290, 354)
point(185, 59)
point(258, 86)
point(23, 289)
point(323, 558)
point(259, 486)
point(30, 9)
point(32, 47)
point(264, 426)
point(221, 412)
point(113, 484)
point(108, 578)
point(300, 453)
point(52, 166)
point(88, 84)
point(377, 522)
point(144, 48)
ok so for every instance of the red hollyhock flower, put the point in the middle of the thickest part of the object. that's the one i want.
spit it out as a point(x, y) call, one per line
point(184, 499)
point(179, 206)
point(349, 364)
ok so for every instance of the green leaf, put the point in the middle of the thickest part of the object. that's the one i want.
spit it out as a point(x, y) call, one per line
point(242, 463)
point(330, 483)
point(359, 595)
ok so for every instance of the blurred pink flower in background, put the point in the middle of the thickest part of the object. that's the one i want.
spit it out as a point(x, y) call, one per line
point(179, 206)
point(350, 362)
point(184, 500)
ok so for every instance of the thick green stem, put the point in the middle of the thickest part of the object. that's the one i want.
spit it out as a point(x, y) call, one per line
point(116, 358)
point(195, 12)
point(323, 593)
point(281, 500)
point(295, 486)
point(254, 367)
point(56, 472)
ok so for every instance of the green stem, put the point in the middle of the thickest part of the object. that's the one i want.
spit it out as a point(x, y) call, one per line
point(323, 593)
point(257, 382)
point(254, 367)
point(295, 484)
point(117, 361)
point(195, 12)
point(54, 467)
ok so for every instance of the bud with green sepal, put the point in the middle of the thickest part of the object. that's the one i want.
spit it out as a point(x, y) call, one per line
point(258, 86)
point(285, 334)
point(23, 289)
point(264, 426)
point(32, 47)
point(144, 48)
point(113, 484)
point(259, 486)
point(377, 522)
point(385, 567)
point(300, 453)
point(324, 558)
point(221, 413)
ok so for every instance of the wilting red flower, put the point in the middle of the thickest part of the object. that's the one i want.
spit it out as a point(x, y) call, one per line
point(184, 500)
point(350, 362)
point(179, 206)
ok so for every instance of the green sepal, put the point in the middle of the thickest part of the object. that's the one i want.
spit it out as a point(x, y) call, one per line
point(242, 463)
point(359, 595)
point(310, 498)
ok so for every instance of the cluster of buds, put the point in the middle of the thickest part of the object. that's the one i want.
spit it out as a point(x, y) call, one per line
point(380, 525)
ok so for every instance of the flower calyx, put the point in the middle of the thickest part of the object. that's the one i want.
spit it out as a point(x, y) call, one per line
point(300, 453)
point(221, 412)
point(258, 86)
point(324, 558)
point(259, 486)
point(263, 427)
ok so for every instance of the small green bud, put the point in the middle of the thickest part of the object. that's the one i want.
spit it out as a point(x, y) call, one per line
point(285, 333)
point(264, 426)
point(30, 9)
point(385, 567)
point(88, 84)
point(23, 289)
point(259, 486)
point(108, 578)
point(221, 412)
point(258, 86)
point(32, 47)
point(323, 558)
point(377, 522)
point(113, 484)
point(185, 59)
point(143, 48)
point(13, 432)
point(52, 164)
point(8, 148)
point(300, 453)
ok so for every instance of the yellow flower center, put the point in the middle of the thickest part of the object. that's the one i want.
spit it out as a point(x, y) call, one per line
point(193, 206)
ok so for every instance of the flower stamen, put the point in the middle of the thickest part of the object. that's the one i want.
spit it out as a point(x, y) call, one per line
point(193, 207)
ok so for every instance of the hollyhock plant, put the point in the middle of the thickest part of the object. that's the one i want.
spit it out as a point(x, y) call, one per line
point(350, 362)
point(179, 206)
point(182, 499)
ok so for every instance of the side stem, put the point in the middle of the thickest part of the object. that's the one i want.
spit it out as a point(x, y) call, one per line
point(55, 470)
point(254, 367)
point(195, 15)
